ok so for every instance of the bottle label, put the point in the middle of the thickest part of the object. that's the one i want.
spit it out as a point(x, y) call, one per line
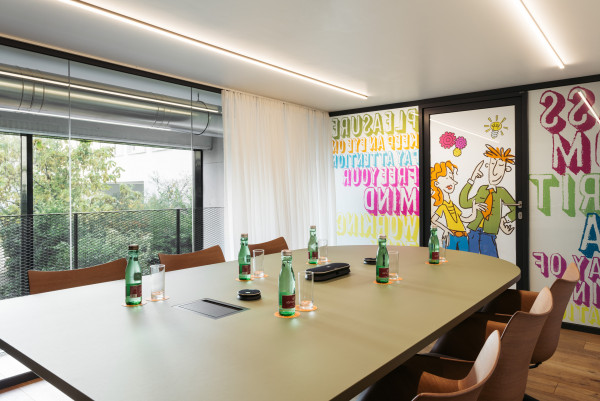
point(245, 269)
point(435, 255)
point(313, 254)
point(288, 301)
point(137, 276)
point(384, 272)
point(135, 291)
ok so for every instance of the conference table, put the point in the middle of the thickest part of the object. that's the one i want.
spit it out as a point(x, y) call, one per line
point(84, 342)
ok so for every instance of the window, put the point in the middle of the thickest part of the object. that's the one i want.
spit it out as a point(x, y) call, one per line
point(109, 159)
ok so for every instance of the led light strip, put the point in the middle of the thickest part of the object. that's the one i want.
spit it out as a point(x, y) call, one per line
point(205, 45)
point(87, 88)
point(558, 60)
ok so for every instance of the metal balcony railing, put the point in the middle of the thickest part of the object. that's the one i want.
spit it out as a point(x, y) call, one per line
point(43, 241)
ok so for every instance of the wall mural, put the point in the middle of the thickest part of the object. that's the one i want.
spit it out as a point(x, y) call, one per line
point(376, 163)
point(564, 142)
point(472, 180)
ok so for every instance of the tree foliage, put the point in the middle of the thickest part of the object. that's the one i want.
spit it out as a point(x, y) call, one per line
point(105, 224)
point(10, 174)
point(91, 171)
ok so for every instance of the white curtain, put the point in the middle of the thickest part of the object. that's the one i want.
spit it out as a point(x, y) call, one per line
point(278, 172)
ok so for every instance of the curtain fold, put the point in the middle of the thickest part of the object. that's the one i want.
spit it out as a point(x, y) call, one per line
point(278, 171)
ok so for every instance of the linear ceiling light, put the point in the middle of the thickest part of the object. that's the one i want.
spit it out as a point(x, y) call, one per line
point(557, 58)
point(204, 45)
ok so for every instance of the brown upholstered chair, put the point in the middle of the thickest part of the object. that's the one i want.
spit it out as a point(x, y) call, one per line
point(44, 281)
point(274, 246)
point(413, 378)
point(519, 338)
point(207, 256)
point(511, 301)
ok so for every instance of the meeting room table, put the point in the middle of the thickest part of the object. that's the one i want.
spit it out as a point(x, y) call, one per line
point(84, 342)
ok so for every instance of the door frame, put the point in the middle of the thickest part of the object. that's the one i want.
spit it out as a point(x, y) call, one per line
point(519, 101)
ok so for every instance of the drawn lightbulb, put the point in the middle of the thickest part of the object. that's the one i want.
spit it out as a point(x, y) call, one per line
point(496, 127)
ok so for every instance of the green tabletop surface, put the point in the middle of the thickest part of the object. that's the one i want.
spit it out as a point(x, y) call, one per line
point(83, 341)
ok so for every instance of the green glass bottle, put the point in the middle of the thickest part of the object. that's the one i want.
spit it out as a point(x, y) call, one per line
point(382, 264)
point(287, 285)
point(133, 277)
point(434, 247)
point(313, 247)
point(245, 272)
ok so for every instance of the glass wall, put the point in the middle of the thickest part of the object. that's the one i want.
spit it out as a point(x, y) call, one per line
point(93, 159)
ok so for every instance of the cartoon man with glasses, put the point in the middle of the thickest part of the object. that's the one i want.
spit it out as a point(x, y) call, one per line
point(489, 221)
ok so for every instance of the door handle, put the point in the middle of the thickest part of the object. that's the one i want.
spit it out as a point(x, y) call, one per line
point(519, 205)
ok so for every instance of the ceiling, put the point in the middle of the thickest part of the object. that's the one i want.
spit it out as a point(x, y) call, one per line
point(393, 51)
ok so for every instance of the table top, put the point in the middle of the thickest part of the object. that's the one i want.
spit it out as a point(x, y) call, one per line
point(89, 346)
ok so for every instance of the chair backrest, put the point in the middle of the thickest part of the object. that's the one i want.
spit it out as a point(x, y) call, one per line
point(44, 281)
point(274, 246)
point(509, 379)
point(471, 386)
point(561, 294)
point(207, 256)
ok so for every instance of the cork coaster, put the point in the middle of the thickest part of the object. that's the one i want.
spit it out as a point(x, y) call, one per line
point(133, 306)
point(388, 283)
point(314, 307)
point(287, 317)
point(244, 281)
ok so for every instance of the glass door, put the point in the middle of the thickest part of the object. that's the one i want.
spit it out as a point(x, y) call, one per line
point(476, 172)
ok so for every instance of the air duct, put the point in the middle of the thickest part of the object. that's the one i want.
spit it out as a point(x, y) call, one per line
point(41, 103)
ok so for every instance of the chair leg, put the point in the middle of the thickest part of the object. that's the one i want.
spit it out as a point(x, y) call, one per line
point(527, 397)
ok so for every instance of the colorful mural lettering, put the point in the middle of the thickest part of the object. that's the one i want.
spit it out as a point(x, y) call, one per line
point(376, 162)
point(565, 194)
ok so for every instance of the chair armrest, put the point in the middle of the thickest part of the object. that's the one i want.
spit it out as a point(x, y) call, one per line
point(430, 383)
point(440, 365)
point(511, 301)
point(466, 340)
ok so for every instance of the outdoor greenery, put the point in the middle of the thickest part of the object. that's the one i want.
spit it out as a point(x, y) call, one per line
point(106, 224)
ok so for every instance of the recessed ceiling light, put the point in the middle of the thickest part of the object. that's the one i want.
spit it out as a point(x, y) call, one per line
point(204, 45)
point(543, 37)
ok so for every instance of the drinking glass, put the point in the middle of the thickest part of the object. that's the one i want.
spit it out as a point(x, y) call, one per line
point(305, 289)
point(258, 256)
point(443, 250)
point(322, 243)
point(394, 266)
point(157, 282)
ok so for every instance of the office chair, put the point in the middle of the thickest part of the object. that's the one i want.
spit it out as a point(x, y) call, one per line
point(44, 281)
point(207, 256)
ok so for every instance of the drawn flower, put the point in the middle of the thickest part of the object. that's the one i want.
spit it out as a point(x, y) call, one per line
point(447, 139)
point(461, 142)
point(457, 152)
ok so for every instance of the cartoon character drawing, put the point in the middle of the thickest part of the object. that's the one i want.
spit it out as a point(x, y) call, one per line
point(486, 225)
point(454, 234)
